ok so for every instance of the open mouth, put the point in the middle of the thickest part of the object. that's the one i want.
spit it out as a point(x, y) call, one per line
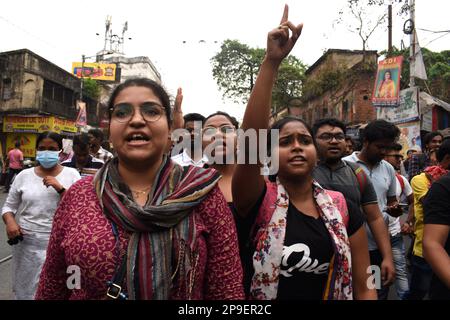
point(137, 137)
point(297, 159)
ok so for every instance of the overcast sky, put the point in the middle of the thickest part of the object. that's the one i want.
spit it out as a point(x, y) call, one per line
point(61, 31)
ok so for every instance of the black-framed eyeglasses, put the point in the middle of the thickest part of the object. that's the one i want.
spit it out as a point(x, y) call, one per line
point(124, 112)
point(210, 132)
point(329, 136)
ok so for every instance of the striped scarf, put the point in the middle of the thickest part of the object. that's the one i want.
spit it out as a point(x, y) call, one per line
point(162, 227)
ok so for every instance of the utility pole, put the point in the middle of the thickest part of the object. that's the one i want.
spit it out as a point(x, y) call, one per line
point(83, 58)
point(412, 47)
point(389, 30)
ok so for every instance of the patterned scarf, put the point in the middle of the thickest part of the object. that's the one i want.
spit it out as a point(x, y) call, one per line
point(270, 241)
point(162, 227)
point(435, 172)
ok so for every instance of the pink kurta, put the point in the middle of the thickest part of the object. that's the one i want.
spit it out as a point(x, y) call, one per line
point(82, 236)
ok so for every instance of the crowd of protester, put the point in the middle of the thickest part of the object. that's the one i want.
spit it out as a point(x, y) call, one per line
point(151, 220)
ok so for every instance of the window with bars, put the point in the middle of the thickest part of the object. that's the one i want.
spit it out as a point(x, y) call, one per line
point(6, 89)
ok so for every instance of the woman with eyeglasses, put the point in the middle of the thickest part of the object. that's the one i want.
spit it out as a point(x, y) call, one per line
point(219, 146)
point(219, 143)
point(143, 227)
point(300, 231)
point(29, 209)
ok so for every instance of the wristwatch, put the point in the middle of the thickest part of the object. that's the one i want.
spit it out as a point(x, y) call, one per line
point(61, 190)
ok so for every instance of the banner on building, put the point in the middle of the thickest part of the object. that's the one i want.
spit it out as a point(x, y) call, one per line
point(82, 116)
point(427, 121)
point(387, 83)
point(409, 136)
point(96, 71)
point(16, 124)
point(64, 125)
point(27, 143)
point(407, 110)
point(27, 124)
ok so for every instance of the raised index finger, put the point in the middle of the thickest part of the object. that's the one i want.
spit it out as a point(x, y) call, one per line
point(285, 14)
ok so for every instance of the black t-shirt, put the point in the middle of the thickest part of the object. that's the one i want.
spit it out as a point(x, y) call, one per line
point(244, 229)
point(307, 253)
point(437, 211)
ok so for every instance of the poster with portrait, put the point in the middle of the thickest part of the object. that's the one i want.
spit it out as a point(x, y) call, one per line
point(387, 83)
point(407, 110)
point(409, 136)
point(82, 116)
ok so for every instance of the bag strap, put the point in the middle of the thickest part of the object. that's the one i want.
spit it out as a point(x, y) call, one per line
point(401, 181)
point(361, 176)
point(115, 290)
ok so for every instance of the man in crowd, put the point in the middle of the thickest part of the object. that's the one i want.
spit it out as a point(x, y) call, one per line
point(404, 167)
point(191, 156)
point(418, 162)
point(377, 137)
point(421, 275)
point(14, 161)
point(81, 159)
point(96, 139)
point(349, 179)
point(405, 194)
point(350, 146)
point(436, 237)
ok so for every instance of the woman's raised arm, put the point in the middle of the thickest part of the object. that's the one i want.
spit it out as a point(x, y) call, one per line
point(248, 183)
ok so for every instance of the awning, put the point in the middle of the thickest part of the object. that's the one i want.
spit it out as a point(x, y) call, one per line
point(427, 102)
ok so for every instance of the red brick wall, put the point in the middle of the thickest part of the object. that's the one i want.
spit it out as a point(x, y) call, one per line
point(362, 103)
point(360, 111)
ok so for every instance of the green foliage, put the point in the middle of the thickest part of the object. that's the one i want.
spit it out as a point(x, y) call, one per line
point(91, 88)
point(289, 83)
point(236, 66)
point(437, 65)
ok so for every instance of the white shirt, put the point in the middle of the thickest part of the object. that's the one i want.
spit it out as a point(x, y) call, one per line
point(184, 160)
point(383, 179)
point(34, 204)
point(402, 197)
point(103, 155)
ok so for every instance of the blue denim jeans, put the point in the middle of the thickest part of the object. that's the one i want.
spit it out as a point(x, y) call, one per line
point(421, 275)
point(401, 280)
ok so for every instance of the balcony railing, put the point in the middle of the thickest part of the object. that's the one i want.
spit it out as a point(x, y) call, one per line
point(59, 109)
